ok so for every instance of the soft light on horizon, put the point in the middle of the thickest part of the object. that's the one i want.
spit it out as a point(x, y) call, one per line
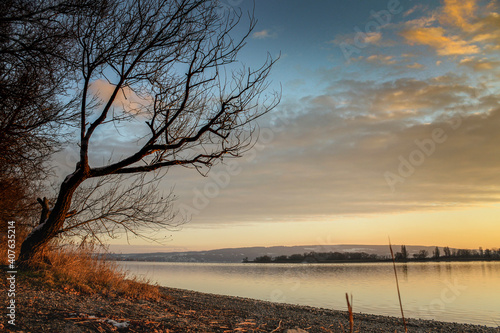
point(457, 229)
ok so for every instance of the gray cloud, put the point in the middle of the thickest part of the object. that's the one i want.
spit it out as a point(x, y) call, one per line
point(334, 156)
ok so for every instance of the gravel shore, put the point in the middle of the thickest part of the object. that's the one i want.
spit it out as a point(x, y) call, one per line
point(42, 310)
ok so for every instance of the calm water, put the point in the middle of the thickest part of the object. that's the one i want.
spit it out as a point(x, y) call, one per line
point(455, 292)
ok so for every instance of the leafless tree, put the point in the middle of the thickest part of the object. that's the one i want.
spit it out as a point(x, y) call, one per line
point(113, 204)
point(36, 40)
point(36, 43)
point(170, 67)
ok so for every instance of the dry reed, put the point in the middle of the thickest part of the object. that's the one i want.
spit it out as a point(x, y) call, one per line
point(397, 286)
point(351, 316)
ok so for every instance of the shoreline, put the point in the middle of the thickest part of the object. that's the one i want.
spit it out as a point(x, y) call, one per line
point(367, 261)
point(311, 317)
point(178, 310)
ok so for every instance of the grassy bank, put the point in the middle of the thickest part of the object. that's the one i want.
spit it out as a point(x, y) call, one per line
point(80, 270)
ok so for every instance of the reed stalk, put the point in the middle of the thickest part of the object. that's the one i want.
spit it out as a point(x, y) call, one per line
point(351, 317)
point(397, 285)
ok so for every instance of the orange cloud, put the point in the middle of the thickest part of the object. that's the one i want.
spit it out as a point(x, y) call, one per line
point(415, 65)
point(126, 98)
point(488, 30)
point(480, 64)
point(381, 59)
point(435, 38)
point(460, 13)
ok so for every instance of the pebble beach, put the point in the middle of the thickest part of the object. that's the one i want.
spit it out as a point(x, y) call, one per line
point(44, 310)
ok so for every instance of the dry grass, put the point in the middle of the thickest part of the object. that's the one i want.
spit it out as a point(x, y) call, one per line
point(80, 270)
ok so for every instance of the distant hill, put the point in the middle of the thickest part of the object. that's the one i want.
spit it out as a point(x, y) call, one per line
point(236, 255)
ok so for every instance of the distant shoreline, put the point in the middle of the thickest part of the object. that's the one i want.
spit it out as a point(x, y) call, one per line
point(376, 261)
point(307, 262)
point(343, 253)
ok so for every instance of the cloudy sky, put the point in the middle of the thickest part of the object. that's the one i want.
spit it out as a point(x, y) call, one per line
point(389, 126)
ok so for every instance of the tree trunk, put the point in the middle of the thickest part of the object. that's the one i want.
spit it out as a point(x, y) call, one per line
point(48, 228)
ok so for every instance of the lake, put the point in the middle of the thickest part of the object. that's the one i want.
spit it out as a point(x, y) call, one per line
point(464, 292)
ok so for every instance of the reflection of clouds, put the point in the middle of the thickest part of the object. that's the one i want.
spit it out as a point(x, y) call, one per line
point(464, 297)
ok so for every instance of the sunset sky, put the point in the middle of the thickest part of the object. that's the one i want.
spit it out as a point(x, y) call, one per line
point(388, 126)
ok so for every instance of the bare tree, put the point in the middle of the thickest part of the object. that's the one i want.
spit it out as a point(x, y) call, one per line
point(36, 40)
point(170, 69)
point(36, 43)
point(113, 204)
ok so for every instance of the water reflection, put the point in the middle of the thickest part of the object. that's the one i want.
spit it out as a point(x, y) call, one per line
point(459, 291)
point(404, 268)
